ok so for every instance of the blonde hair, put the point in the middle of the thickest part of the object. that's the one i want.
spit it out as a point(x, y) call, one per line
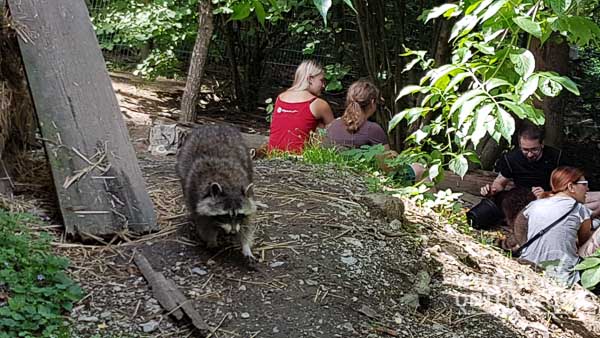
point(307, 69)
point(360, 95)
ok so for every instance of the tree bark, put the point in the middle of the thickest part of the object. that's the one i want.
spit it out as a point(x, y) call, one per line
point(553, 55)
point(199, 56)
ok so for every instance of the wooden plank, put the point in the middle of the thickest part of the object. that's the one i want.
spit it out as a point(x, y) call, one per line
point(97, 177)
point(471, 183)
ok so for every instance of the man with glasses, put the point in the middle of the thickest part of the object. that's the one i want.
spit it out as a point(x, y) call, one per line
point(529, 166)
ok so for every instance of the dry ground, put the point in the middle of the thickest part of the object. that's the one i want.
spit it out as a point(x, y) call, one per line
point(332, 266)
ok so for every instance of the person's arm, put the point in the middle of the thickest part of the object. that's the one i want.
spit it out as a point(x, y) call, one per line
point(322, 112)
point(497, 185)
point(585, 232)
point(592, 201)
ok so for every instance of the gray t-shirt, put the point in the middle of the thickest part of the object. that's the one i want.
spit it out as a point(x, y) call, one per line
point(560, 243)
point(369, 133)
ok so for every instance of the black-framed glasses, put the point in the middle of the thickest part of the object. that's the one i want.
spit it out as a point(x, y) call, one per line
point(533, 151)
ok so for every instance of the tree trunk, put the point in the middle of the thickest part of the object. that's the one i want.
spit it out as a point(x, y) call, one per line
point(199, 56)
point(552, 56)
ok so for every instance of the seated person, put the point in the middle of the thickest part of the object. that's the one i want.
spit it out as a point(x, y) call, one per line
point(528, 168)
point(354, 130)
point(569, 239)
point(299, 111)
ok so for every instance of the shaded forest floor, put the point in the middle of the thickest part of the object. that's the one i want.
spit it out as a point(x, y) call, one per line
point(332, 265)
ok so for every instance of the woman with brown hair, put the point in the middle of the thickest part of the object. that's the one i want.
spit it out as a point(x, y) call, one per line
point(354, 129)
point(572, 236)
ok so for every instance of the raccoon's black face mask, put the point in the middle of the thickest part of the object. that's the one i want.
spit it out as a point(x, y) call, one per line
point(227, 206)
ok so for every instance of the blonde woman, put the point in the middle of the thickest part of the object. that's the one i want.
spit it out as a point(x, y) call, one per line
point(298, 111)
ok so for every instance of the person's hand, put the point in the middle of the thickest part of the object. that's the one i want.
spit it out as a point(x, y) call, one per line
point(488, 190)
point(537, 191)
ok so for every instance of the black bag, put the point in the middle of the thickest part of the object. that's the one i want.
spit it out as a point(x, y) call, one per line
point(485, 215)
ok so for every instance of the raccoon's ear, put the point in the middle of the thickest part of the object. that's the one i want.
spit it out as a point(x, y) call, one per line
point(215, 189)
point(249, 190)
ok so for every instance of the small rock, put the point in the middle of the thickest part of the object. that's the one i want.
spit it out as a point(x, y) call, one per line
point(245, 315)
point(210, 262)
point(199, 271)
point(346, 253)
point(348, 327)
point(105, 314)
point(276, 264)
point(149, 326)
point(242, 288)
point(395, 225)
point(353, 241)
point(90, 319)
point(311, 282)
point(349, 260)
point(275, 329)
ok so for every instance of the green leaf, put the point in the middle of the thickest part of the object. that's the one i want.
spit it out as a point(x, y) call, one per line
point(560, 6)
point(529, 26)
point(458, 78)
point(567, 83)
point(459, 165)
point(479, 128)
point(463, 26)
point(438, 73)
point(411, 114)
point(411, 89)
point(420, 135)
point(590, 278)
point(588, 263)
point(434, 171)
point(529, 88)
point(517, 109)
point(550, 88)
point(468, 107)
point(492, 10)
point(260, 12)
point(495, 82)
point(241, 11)
point(506, 124)
point(349, 4)
point(524, 63)
point(438, 11)
point(463, 98)
point(323, 7)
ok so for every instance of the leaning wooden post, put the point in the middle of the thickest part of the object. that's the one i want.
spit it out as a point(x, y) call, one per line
point(96, 174)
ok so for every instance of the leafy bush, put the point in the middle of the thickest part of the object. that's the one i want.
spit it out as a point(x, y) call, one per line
point(590, 271)
point(160, 27)
point(35, 292)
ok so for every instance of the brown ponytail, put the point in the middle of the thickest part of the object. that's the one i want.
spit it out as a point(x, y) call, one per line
point(360, 95)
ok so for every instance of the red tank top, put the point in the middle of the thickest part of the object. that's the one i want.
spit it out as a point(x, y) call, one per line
point(291, 125)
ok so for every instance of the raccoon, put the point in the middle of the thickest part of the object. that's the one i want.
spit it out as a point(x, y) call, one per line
point(215, 169)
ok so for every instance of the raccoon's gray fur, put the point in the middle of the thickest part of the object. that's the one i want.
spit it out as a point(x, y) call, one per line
point(215, 169)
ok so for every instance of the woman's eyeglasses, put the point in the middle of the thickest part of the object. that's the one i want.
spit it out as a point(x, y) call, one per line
point(582, 182)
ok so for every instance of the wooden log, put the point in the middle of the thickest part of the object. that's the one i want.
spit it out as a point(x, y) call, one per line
point(97, 177)
point(161, 288)
point(168, 295)
point(471, 183)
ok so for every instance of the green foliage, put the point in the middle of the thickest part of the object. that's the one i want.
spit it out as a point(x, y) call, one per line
point(35, 292)
point(590, 271)
point(334, 74)
point(159, 27)
point(491, 79)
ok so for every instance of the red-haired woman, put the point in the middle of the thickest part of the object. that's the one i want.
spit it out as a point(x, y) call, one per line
point(569, 239)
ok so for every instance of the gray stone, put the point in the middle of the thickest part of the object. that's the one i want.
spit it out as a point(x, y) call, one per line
point(150, 326)
point(199, 271)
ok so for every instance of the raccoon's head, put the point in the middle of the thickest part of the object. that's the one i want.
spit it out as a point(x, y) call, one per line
point(228, 206)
